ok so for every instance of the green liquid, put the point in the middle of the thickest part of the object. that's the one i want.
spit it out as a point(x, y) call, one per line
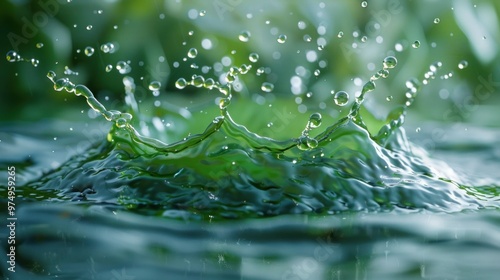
point(229, 172)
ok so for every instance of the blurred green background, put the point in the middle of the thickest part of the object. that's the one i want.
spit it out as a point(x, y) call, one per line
point(155, 36)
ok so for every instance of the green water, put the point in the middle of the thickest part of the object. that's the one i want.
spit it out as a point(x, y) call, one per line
point(151, 190)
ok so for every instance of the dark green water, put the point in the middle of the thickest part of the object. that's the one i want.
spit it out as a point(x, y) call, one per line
point(347, 196)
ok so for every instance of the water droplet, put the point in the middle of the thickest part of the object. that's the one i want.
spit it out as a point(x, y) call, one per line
point(209, 83)
point(108, 68)
point(364, 39)
point(89, 27)
point(418, 129)
point(39, 45)
point(436, 20)
point(302, 25)
point(282, 38)
point(267, 87)
point(311, 143)
point(390, 62)
point(317, 72)
point(230, 77)
point(244, 36)
point(123, 67)
point(203, 13)
point(416, 44)
point(340, 34)
point(389, 98)
point(341, 98)
point(364, 4)
point(89, 51)
point(315, 120)
point(253, 57)
point(12, 56)
point(51, 75)
point(198, 81)
point(463, 64)
point(108, 48)
point(154, 86)
point(307, 38)
point(192, 53)
point(369, 86)
point(181, 83)
point(224, 102)
point(244, 69)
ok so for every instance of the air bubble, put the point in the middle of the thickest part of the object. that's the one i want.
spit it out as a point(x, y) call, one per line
point(39, 45)
point(267, 87)
point(340, 34)
point(416, 44)
point(181, 83)
point(89, 51)
point(192, 53)
point(341, 98)
point(108, 68)
point(282, 38)
point(390, 62)
point(436, 20)
point(244, 36)
point(203, 13)
point(89, 27)
point(364, 4)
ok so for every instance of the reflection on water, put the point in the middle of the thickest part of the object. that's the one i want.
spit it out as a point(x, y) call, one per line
point(69, 242)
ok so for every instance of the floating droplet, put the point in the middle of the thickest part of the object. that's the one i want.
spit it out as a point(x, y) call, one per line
point(364, 4)
point(89, 51)
point(39, 45)
point(89, 27)
point(315, 120)
point(282, 38)
point(416, 44)
point(192, 53)
point(244, 36)
point(244, 68)
point(463, 64)
point(369, 86)
point(436, 20)
point(317, 72)
point(108, 68)
point(108, 48)
point(364, 39)
point(198, 81)
point(203, 13)
point(390, 62)
point(340, 34)
point(389, 98)
point(154, 86)
point(253, 57)
point(209, 83)
point(181, 83)
point(341, 98)
point(123, 67)
point(267, 87)
point(12, 56)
